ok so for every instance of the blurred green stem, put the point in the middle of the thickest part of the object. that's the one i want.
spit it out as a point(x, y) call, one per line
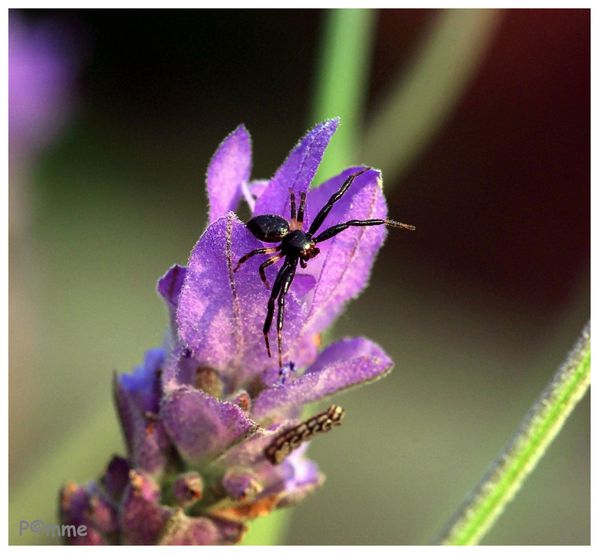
point(425, 93)
point(509, 470)
point(342, 82)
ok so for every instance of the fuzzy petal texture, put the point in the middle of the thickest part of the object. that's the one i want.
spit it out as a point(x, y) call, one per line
point(143, 385)
point(179, 369)
point(344, 264)
point(183, 530)
point(137, 398)
point(201, 426)
point(88, 506)
point(169, 285)
point(284, 485)
point(228, 171)
point(203, 416)
point(342, 365)
point(302, 477)
point(250, 451)
point(297, 171)
point(241, 484)
point(142, 516)
point(221, 313)
point(188, 488)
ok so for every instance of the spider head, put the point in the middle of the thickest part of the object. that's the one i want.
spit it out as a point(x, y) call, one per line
point(310, 252)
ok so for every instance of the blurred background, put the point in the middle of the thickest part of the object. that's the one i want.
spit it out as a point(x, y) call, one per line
point(480, 123)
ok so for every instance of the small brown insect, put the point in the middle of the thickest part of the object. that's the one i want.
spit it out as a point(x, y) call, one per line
point(289, 440)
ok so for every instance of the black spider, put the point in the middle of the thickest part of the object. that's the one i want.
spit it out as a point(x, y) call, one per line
point(297, 246)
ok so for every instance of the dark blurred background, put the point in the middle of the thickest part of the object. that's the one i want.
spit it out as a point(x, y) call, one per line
point(478, 307)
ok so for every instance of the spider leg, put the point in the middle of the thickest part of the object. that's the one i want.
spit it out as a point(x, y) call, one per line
point(246, 257)
point(336, 229)
point(302, 207)
point(264, 265)
point(287, 280)
point(320, 217)
point(270, 310)
point(292, 202)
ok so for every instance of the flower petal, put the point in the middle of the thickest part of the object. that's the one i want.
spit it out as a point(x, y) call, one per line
point(343, 266)
point(241, 484)
point(142, 516)
point(179, 369)
point(229, 169)
point(136, 400)
point(143, 384)
point(169, 287)
point(87, 506)
point(231, 532)
point(221, 313)
point(256, 188)
point(251, 451)
point(297, 171)
point(343, 364)
point(303, 477)
point(284, 485)
point(183, 530)
point(116, 477)
point(188, 488)
point(149, 444)
point(202, 426)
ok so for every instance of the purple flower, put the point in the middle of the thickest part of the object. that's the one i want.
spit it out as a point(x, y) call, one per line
point(200, 412)
point(41, 73)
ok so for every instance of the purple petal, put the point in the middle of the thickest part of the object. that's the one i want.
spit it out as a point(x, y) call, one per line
point(101, 511)
point(221, 313)
point(116, 477)
point(252, 190)
point(251, 450)
point(302, 478)
point(231, 532)
point(229, 169)
point(241, 484)
point(343, 266)
point(42, 68)
point(169, 287)
point(88, 506)
point(74, 500)
point(256, 188)
point(179, 369)
point(297, 170)
point(147, 442)
point(184, 530)
point(290, 481)
point(143, 384)
point(343, 364)
point(142, 516)
point(188, 488)
point(202, 426)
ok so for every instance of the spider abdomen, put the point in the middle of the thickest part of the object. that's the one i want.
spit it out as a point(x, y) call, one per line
point(268, 228)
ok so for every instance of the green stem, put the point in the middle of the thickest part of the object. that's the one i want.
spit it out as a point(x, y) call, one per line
point(508, 472)
point(342, 82)
point(425, 93)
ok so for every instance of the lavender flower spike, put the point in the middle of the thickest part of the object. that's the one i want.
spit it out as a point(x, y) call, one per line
point(200, 413)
